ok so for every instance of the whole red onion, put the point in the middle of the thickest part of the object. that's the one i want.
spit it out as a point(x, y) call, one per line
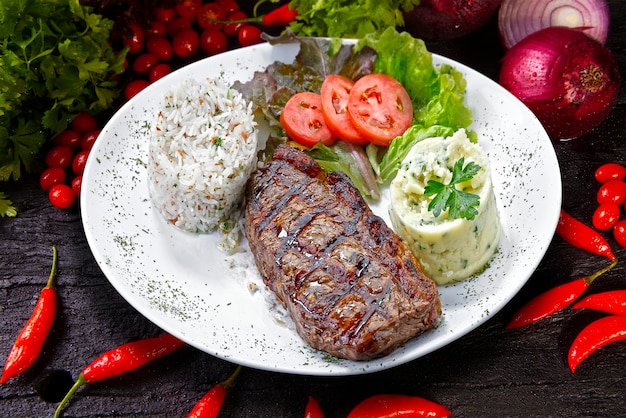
point(569, 80)
point(448, 19)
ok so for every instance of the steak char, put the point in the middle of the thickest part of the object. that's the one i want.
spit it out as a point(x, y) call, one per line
point(351, 286)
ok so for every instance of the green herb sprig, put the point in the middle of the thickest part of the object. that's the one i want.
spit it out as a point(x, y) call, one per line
point(55, 61)
point(459, 204)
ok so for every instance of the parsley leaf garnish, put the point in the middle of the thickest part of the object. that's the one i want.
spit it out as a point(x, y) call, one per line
point(459, 204)
point(6, 207)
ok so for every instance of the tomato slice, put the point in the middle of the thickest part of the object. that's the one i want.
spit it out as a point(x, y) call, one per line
point(380, 108)
point(303, 120)
point(335, 92)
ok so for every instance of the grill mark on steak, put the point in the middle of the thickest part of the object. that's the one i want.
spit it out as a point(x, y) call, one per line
point(351, 286)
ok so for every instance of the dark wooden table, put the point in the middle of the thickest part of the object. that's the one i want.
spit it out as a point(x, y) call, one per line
point(489, 372)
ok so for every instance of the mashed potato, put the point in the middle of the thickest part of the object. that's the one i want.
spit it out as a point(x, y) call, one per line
point(449, 249)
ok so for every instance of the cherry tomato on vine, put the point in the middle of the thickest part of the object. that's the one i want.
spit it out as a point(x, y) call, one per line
point(51, 176)
point(88, 139)
point(157, 28)
point(79, 161)
point(186, 43)
point(619, 232)
point(134, 87)
point(303, 120)
point(164, 14)
point(160, 47)
point(84, 122)
point(68, 137)
point(249, 35)
point(605, 216)
point(135, 40)
point(380, 108)
point(59, 156)
point(177, 24)
point(610, 171)
point(159, 71)
point(213, 41)
point(62, 196)
point(228, 6)
point(188, 8)
point(208, 13)
point(144, 62)
point(77, 184)
point(613, 191)
point(231, 29)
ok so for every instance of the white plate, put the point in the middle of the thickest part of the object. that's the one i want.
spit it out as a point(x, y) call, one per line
point(186, 286)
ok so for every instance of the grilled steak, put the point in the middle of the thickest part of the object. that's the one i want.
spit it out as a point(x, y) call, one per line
point(351, 286)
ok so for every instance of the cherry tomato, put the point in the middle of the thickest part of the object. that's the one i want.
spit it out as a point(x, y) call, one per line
point(606, 216)
point(79, 161)
point(164, 14)
point(613, 191)
point(157, 28)
point(84, 122)
point(144, 62)
point(160, 47)
point(62, 196)
point(159, 71)
point(188, 8)
point(610, 171)
point(89, 138)
point(51, 176)
point(177, 24)
point(77, 185)
point(135, 40)
point(249, 35)
point(134, 87)
point(68, 137)
point(228, 6)
point(380, 108)
point(619, 232)
point(213, 41)
point(303, 120)
point(335, 92)
point(208, 13)
point(186, 43)
point(59, 156)
point(231, 29)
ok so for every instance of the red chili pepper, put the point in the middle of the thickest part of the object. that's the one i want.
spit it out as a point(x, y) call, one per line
point(595, 336)
point(29, 341)
point(613, 302)
point(582, 236)
point(381, 406)
point(313, 409)
point(122, 359)
point(281, 16)
point(210, 404)
point(554, 300)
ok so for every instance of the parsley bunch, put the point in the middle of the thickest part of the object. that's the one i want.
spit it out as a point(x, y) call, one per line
point(55, 60)
point(459, 204)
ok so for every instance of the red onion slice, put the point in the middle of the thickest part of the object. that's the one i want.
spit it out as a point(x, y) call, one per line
point(519, 18)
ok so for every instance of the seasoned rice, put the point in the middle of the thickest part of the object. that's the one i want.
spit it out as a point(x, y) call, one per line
point(202, 151)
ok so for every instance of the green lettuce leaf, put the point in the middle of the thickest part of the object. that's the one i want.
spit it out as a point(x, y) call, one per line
point(437, 93)
point(348, 18)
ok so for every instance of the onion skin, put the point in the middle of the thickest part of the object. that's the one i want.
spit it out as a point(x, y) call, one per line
point(567, 79)
point(438, 20)
point(518, 19)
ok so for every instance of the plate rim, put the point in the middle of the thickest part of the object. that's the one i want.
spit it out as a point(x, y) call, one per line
point(438, 59)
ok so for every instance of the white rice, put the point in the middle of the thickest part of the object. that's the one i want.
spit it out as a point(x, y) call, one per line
point(202, 151)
